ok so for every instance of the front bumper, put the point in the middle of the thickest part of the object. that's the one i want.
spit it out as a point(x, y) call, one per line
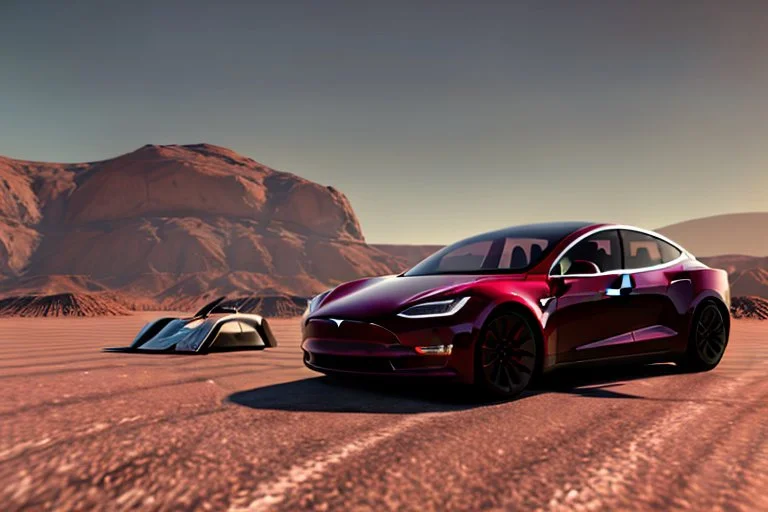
point(364, 348)
point(330, 356)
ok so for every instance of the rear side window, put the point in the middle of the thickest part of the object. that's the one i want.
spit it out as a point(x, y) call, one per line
point(668, 252)
point(641, 250)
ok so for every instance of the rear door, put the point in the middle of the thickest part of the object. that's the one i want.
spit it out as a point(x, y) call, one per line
point(653, 266)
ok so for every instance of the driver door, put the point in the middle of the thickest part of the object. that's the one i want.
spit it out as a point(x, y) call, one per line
point(590, 315)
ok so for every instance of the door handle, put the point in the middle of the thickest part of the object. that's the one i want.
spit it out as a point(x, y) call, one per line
point(622, 286)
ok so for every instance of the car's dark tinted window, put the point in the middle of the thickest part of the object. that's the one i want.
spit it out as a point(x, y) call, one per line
point(641, 250)
point(493, 254)
point(602, 249)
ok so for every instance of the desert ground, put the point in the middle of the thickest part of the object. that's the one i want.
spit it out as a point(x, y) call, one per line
point(83, 429)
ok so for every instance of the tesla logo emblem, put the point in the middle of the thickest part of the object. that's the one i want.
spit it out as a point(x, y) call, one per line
point(545, 301)
point(336, 321)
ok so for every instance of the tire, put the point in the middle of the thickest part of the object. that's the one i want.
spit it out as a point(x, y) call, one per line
point(707, 338)
point(506, 355)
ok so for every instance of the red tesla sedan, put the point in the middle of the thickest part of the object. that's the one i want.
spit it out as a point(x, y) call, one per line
point(499, 308)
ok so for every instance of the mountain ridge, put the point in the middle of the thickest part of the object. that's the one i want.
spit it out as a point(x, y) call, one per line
point(165, 223)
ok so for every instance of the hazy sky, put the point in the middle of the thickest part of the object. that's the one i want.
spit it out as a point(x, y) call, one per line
point(437, 119)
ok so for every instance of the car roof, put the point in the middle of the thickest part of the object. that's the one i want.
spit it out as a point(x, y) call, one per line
point(548, 230)
point(627, 227)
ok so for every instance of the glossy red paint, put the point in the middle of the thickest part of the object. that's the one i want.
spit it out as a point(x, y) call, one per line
point(357, 328)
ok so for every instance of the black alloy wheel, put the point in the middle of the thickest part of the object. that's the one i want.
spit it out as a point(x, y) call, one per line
point(711, 336)
point(506, 357)
point(708, 339)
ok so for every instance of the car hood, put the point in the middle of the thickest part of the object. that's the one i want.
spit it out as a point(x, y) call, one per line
point(379, 296)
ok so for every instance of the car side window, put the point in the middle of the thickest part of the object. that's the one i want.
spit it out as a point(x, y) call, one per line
point(603, 249)
point(641, 250)
point(668, 252)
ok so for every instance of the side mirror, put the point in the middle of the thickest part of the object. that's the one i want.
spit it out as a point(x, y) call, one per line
point(583, 267)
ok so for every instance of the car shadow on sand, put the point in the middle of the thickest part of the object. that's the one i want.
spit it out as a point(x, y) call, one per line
point(406, 396)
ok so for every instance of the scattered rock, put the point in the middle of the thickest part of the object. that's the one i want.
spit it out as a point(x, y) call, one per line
point(749, 307)
point(64, 304)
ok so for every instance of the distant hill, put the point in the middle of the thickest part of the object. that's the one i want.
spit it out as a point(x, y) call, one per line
point(271, 306)
point(737, 233)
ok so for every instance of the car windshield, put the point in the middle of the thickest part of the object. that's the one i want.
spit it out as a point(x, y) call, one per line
point(511, 250)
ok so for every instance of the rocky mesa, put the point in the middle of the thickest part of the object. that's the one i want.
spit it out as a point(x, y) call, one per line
point(166, 225)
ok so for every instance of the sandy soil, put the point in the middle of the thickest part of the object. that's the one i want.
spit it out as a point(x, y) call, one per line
point(82, 429)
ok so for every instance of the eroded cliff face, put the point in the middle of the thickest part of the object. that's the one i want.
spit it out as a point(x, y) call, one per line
point(19, 212)
point(168, 223)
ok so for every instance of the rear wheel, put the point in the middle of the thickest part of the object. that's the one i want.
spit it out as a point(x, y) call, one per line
point(505, 359)
point(707, 339)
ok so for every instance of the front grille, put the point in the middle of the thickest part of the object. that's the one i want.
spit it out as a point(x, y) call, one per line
point(350, 363)
point(349, 330)
point(419, 362)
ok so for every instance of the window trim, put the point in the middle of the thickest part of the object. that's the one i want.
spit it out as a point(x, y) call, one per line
point(619, 227)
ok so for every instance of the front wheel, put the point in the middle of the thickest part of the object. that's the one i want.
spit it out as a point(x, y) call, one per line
point(707, 339)
point(505, 358)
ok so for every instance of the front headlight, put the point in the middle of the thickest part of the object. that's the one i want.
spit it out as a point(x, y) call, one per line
point(315, 301)
point(434, 309)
